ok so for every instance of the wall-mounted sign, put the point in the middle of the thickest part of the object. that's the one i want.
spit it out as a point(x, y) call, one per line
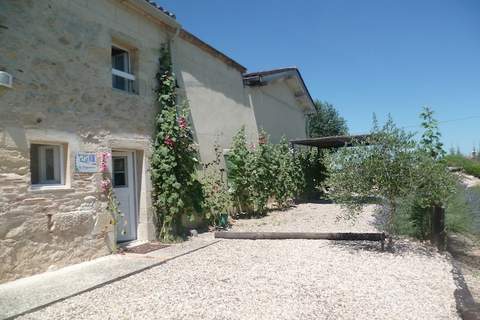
point(86, 162)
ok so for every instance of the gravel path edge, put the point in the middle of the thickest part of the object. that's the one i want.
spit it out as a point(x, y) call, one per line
point(111, 281)
point(466, 305)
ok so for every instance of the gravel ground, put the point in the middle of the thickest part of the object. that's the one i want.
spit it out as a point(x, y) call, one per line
point(311, 217)
point(286, 279)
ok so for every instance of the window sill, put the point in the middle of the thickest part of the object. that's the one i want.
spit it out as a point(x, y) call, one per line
point(47, 188)
point(135, 94)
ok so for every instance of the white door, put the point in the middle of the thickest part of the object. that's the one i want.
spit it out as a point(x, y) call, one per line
point(123, 180)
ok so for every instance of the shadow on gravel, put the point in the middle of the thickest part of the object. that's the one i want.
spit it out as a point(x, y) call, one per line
point(400, 247)
point(466, 249)
point(380, 215)
point(245, 215)
point(354, 246)
point(315, 201)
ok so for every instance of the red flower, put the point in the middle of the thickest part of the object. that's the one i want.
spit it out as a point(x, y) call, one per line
point(168, 141)
point(182, 122)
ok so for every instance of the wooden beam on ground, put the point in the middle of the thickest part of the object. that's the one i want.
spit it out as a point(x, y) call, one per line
point(373, 236)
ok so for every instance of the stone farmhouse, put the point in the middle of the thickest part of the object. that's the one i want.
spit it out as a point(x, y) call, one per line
point(84, 82)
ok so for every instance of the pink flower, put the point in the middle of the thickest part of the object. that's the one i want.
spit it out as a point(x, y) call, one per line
point(105, 185)
point(182, 122)
point(104, 156)
point(103, 166)
point(168, 141)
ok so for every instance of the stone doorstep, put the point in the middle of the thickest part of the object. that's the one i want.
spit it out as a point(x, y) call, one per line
point(131, 244)
point(29, 294)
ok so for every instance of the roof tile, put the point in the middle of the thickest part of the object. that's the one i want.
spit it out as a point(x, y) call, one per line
point(168, 13)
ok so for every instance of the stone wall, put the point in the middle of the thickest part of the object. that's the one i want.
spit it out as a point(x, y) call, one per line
point(59, 55)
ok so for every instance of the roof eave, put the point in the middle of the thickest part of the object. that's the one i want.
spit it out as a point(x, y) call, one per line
point(187, 36)
point(151, 11)
point(264, 77)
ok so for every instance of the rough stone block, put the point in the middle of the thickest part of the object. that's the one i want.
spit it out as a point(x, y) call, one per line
point(102, 223)
point(75, 223)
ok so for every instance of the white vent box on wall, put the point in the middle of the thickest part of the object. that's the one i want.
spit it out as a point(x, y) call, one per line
point(6, 79)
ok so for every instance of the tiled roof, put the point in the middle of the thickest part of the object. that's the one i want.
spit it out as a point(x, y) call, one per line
point(168, 13)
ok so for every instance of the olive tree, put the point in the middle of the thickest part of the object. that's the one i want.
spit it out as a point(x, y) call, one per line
point(378, 167)
point(389, 165)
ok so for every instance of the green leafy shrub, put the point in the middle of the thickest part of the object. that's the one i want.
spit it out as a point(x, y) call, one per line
point(473, 200)
point(240, 164)
point(433, 185)
point(469, 166)
point(458, 213)
point(261, 173)
point(176, 189)
point(414, 221)
point(217, 199)
point(311, 162)
point(288, 177)
point(410, 219)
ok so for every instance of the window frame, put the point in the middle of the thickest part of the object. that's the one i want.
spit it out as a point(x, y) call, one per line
point(62, 173)
point(128, 76)
point(125, 172)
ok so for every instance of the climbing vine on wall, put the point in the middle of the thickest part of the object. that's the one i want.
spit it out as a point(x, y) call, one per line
point(176, 189)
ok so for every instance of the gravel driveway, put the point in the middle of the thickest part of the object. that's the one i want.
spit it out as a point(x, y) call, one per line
point(280, 279)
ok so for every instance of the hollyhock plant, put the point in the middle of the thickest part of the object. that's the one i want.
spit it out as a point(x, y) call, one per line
point(168, 141)
point(106, 189)
point(182, 123)
point(104, 156)
point(105, 185)
point(176, 189)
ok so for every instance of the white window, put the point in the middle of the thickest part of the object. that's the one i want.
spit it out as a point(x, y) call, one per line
point(47, 164)
point(122, 71)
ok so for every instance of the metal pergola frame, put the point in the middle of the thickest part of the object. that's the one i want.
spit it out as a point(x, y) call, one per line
point(331, 141)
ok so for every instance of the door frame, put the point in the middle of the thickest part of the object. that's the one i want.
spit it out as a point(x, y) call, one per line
point(134, 185)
